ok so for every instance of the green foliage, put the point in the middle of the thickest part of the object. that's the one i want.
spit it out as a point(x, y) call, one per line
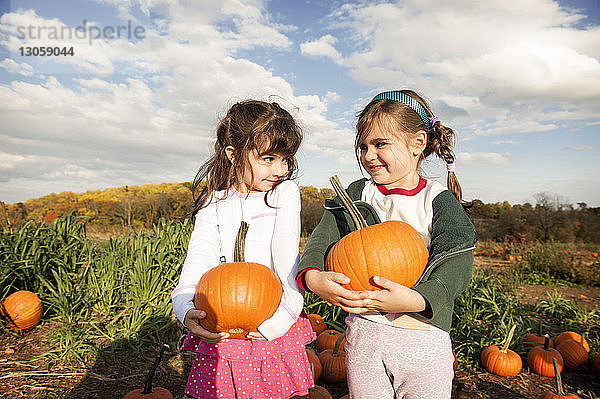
point(483, 315)
point(114, 291)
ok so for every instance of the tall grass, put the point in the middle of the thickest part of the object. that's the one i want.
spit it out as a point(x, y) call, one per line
point(113, 291)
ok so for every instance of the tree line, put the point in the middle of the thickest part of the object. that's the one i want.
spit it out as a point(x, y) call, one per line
point(549, 218)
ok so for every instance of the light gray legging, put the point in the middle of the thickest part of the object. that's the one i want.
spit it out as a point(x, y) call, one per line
point(385, 362)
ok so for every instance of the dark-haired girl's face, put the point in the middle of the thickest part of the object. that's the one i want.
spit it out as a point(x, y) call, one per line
point(263, 172)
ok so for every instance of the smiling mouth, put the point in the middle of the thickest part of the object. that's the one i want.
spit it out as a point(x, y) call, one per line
point(375, 168)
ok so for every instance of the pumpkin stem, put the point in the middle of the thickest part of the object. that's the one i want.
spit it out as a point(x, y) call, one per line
point(338, 342)
point(148, 384)
point(546, 342)
point(559, 387)
point(240, 243)
point(509, 338)
point(359, 220)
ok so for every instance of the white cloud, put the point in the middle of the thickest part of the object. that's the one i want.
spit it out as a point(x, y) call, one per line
point(159, 122)
point(14, 67)
point(521, 63)
point(483, 158)
point(321, 47)
point(580, 148)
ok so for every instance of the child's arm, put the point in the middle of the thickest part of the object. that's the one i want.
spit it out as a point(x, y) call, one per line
point(202, 255)
point(284, 252)
point(328, 285)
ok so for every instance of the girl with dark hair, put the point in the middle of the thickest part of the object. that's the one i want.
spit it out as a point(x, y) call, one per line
point(248, 179)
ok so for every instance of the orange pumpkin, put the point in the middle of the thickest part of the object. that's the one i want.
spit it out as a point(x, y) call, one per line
point(318, 392)
point(540, 359)
point(23, 309)
point(333, 362)
point(393, 250)
point(560, 393)
point(317, 323)
point(574, 336)
point(148, 392)
point(502, 361)
point(238, 296)
point(455, 363)
point(573, 353)
point(533, 340)
point(327, 339)
point(315, 363)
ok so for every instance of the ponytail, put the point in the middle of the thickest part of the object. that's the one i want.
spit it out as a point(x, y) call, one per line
point(440, 140)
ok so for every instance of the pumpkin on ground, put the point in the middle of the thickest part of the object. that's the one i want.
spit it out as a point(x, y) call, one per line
point(327, 339)
point(148, 392)
point(574, 336)
point(531, 340)
point(315, 363)
point(573, 353)
point(317, 323)
point(392, 249)
point(502, 361)
point(455, 363)
point(318, 392)
point(540, 359)
point(238, 296)
point(23, 309)
point(333, 362)
point(560, 393)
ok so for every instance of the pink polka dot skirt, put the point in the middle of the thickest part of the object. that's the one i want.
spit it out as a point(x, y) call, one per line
point(244, 369)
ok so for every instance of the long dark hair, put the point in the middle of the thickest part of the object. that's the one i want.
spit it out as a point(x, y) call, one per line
point(403, 119)
point(248, 125)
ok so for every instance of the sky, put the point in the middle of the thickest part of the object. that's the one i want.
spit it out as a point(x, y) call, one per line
point(139, 99)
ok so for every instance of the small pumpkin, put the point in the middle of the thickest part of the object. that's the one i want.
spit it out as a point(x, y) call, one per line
point(531, 340)
point(148, 392)
point(327, 339)
point(392, 249)
point(455, 363)
point(22, 308)
point(573, 353)
point(560, 393)
point(540, 359)
point(238, 296)
point(597, 362)
point(317, 323)
point(315, 363)
point(574, 336)
point(318, 392)
point(502, 361)
point(334, 362)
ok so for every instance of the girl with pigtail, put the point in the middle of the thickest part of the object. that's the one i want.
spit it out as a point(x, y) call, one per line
point(248, 179)
point(397, 338)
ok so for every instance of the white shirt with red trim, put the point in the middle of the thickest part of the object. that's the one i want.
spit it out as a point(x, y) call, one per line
point(411, 206)
point(272, 240)
point(414, 207)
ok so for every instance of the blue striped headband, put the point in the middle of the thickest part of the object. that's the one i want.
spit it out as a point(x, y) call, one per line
point(408, 101)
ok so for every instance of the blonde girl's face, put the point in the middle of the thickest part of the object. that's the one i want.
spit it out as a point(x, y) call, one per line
point(262, 172)
point(391, 160)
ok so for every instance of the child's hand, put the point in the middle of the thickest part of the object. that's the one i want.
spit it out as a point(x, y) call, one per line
point(328, 285)
point(255, 336)
point(394, 298)
point(192, 322)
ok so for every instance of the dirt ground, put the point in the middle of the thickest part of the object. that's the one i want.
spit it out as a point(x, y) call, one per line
point(24, 375)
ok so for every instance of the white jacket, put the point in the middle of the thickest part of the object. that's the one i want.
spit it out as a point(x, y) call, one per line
point(272, 240)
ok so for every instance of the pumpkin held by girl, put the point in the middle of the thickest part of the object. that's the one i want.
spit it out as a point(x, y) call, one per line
point(238, 296)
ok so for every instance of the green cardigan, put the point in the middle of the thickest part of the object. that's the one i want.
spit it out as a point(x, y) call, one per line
point(448, 271)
